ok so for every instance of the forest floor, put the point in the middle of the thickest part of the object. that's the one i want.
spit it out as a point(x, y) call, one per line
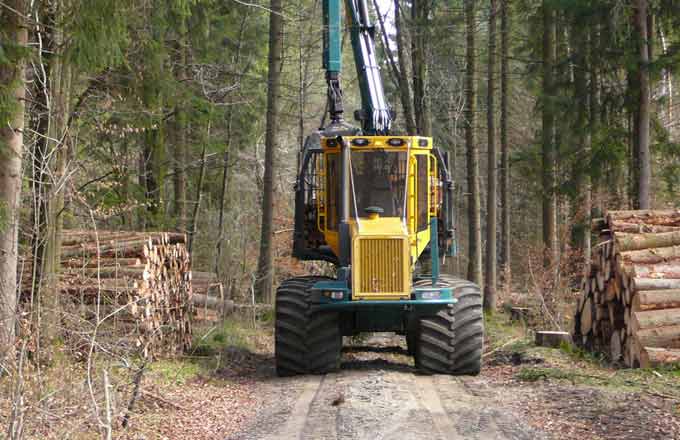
point(523, 392)
point(227, 389)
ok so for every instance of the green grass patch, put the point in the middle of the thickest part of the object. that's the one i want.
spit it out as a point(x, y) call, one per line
point(579, 354)
point(534, 374)
point(176, 371)
point(500, 332)
point(232, 332)
point(663, 383)
point(209, 347)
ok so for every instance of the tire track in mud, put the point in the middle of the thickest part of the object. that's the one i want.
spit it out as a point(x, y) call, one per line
point(432, 402)
point(378, 399)
point(300, 413)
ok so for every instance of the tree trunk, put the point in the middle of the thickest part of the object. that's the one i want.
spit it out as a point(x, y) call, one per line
point(474, 202)
point(179, 160)
point(505, 149)
point(199, 192)
point(492, 173)
point(179, 177)
point(12, 94)
point(420, 11)
point(265, 269)
point(582, 199)
point(404, 87)
point(50, 272)
point(643, 107)
point(57, 147)
point(229, 118)
point(548, 156)
point(154, 167)
point(153, 171)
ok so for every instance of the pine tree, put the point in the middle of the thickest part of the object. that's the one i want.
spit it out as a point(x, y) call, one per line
point(548, 133)
point(474, 202)
point(643, 107)
point(14, 35)
point(265, 266)
point(492, 169)
point(505, 147)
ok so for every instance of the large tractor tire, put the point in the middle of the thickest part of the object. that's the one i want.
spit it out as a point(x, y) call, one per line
point(451, 342)
point(307, 342)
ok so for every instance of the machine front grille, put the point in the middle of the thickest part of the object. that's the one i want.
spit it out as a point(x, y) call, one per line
point(382, 265)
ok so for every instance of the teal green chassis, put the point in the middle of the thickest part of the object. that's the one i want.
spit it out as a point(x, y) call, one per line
point(398, 316)
point(388, 315)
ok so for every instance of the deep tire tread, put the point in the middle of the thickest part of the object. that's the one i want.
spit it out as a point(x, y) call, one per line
point(307, 342)
point(451, 342)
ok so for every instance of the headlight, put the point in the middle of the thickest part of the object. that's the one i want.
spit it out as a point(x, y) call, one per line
point(434, 294)
point(334, 294)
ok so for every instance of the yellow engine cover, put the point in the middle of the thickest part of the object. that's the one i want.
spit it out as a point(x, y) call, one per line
point(380, 259)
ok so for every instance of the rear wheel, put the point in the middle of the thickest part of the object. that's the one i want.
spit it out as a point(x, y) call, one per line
point(451, 341)
point(307, 342)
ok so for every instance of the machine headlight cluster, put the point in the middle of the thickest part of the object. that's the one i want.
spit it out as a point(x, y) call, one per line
point(396, 142)
point(360, 142)
point(334, 294)
point(431, 294)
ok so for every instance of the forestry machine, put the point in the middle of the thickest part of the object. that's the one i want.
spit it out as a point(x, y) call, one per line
point(380, 208)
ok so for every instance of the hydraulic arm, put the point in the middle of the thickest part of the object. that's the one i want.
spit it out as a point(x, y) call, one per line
point(375, 114)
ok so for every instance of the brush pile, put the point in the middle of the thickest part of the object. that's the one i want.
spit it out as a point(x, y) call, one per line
point(629, 306)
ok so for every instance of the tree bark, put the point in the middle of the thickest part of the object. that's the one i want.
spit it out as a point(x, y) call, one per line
point(265, 266)
point(643, 113)
point(199, 192)
point(153, 160)
point(11, 151)
point(229, 118)
point(420, 11)
point(655, 318)
point(582, 200)
point(474, 203)
point(634, 242)
point(548, 141)
point(60, 91)
point(652, 357)
point(180, 157)
point(505, 148)
point(404, 87)
point(154, 171)
point(492, 171)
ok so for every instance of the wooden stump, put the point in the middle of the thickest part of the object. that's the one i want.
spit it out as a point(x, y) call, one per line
point(552, 338)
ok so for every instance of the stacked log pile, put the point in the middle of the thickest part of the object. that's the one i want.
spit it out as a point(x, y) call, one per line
point(138, 282)
point(630, 293)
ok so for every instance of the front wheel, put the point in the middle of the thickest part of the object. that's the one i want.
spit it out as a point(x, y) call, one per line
point(307, 341)
point(451, 341)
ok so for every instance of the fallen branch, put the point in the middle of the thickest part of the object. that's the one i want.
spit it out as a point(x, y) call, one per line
point(488, 353)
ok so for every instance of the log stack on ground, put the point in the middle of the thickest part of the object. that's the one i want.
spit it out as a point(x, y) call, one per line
point(629, 306)
point(138, 282)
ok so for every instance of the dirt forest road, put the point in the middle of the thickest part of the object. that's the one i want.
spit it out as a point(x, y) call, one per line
point(519, 395)
point(378, 395)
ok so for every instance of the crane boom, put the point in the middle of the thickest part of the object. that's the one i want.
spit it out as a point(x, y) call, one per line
point(375, 114)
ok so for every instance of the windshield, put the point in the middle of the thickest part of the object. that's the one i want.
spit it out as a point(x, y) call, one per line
point(378, 178)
